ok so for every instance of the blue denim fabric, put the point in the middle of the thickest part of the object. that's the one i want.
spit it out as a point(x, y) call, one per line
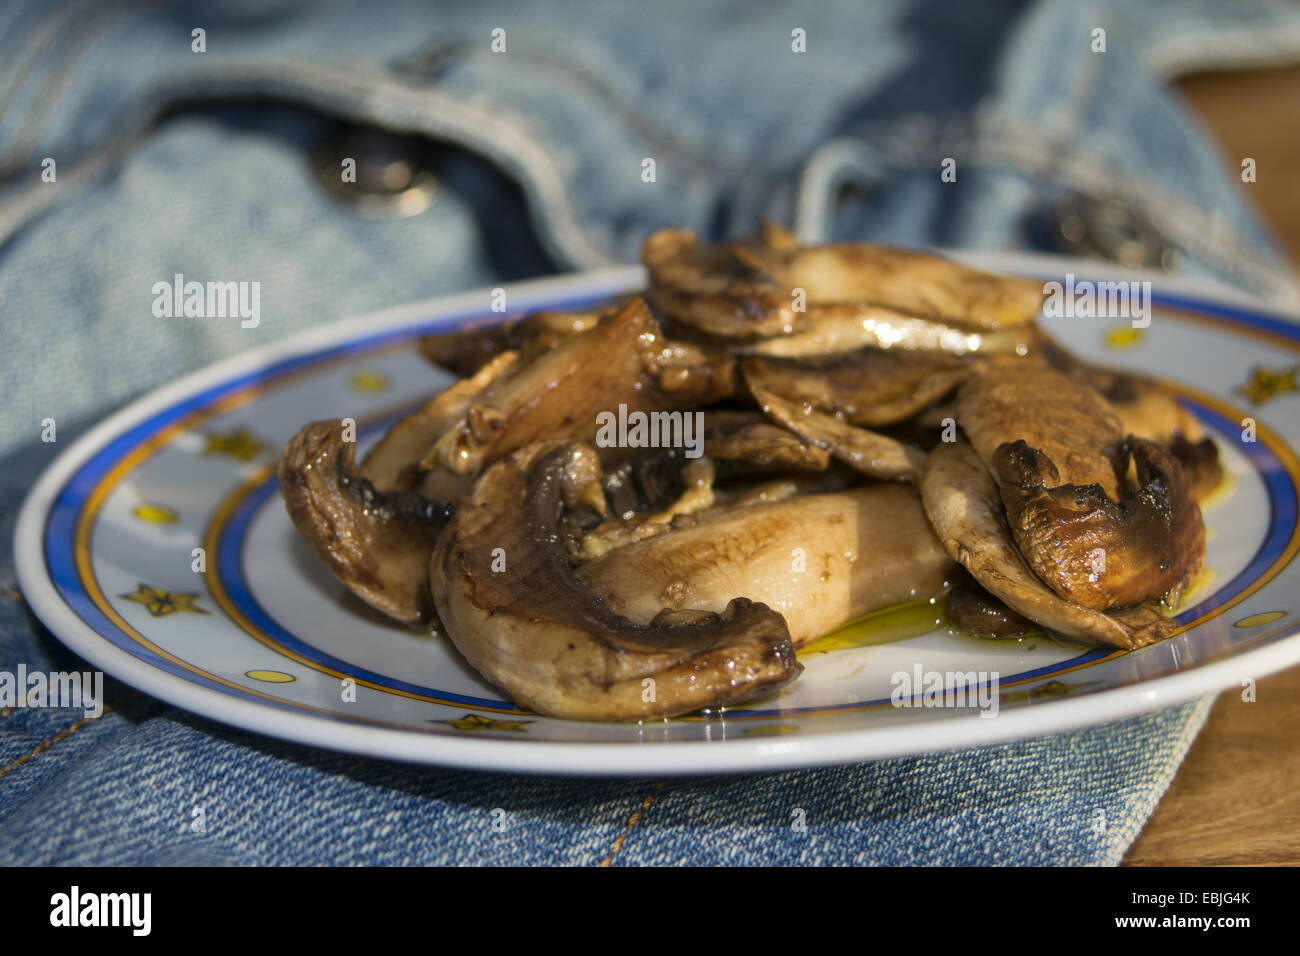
point(174, 161)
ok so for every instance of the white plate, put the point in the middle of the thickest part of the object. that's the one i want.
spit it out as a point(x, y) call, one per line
point(263, 638)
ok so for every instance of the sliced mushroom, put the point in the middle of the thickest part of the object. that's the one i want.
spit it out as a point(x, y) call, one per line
point(820, 560)
point(980, 613)
point(378, 544)
point(1064, 418)
point(513, 606)
point(1061, 461)
point(848, 327)
point(394, 462)
point(965, 509)
point(748, 437)
point(868, 452)
point(1095, 551)
point(866, 387)
point(465, 351)
point(560, 394)
point(747, 289)
point(1149, 410)
point(622, 530)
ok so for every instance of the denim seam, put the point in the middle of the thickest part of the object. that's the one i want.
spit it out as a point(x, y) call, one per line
point(486, 127)
point(1223, 49)
point(42, 38)
point(655, 133)
point(632, 822)
point(1019, 148)
point(94, 22)
point(49, 742)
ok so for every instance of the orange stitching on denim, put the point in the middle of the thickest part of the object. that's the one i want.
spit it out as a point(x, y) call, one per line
point(631, 822)
point(49, 742)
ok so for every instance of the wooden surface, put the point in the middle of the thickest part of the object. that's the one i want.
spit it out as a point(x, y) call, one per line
point(1236, 799)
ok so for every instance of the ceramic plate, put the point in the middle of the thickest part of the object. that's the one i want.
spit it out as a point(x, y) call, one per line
point(263, 638)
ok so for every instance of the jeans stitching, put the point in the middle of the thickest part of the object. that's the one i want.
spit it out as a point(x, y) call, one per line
point(631, 822)
point(49, 742)
point(486, 127)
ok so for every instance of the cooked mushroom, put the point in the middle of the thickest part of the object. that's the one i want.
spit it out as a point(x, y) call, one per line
point(1095, 551)
point(848, 327)
point(975, 610)
point(867, 387)
point(394, 461)
point(878, 456)
point(965, 508)
point(376, 543)
point(747, 289)
point(749, 438)
point(465, 351)
point(513, 606)
point(1061, 462)
point(1149, 410)
point(820, 560)
point(559, 394)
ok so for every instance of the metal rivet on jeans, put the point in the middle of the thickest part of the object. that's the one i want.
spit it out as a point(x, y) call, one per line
point(395, 176)
point(1112, 228)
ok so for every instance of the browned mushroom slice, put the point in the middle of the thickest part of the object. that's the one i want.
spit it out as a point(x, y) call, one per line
point(847, 327)
point(557, 395)
point(867, 387)
point(980, 613)
point(688, 373)
point(748, 437)
point(1149, 410)
point(1200, 463)
point(513, 606)
point(378, 544)
point(465, 351)
point(875, 455)
point(1064, 418)
point(394, 462)
point(748, 289)
point(1061, 461)
point(1095, 551)
point(820, 560)
point(965, 509)
point(621, 530)
point(718, 290)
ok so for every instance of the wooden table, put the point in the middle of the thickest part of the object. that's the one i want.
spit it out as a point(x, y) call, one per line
point(1236, 798)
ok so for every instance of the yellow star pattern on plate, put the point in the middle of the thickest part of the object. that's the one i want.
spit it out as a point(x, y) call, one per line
point(475, 722)
point(161, 602)
point(155, 514)
point(1265, 384)
point(371, 382)
point(240, 443)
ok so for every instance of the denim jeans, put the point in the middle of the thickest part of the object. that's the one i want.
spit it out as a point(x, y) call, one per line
point(167, 159)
